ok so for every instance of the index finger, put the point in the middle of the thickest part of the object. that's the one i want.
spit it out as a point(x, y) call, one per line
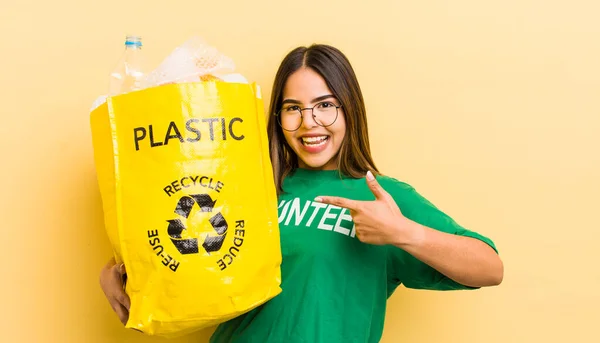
point(339, 202)
point(121, 312)
point(120, 275)
point(123, 300)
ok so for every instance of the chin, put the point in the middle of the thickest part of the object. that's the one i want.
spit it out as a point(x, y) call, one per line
point(317, 163)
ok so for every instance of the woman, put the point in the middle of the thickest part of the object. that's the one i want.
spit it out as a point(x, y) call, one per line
point(348, 238)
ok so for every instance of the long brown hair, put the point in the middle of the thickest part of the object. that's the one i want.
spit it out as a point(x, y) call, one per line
point(354, 157)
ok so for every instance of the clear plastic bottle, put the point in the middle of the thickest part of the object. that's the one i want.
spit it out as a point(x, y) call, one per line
point(127, 75)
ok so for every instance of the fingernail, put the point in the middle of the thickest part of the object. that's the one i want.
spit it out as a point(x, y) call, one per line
point(122, 268)
point(370, 176)
point(319, 199)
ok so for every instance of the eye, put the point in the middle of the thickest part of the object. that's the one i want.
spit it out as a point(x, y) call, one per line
point(293, 108)
point(325, 104)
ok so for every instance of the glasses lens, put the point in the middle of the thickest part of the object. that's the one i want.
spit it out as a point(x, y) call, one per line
point(325, 113)
point(290, 118)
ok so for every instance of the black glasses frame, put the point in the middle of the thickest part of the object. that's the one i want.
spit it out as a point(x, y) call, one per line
point(312, 112)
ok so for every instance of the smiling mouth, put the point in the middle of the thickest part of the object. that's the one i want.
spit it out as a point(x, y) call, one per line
point(314, 141)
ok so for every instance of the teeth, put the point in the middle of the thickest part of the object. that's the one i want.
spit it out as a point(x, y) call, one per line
point(314, 140)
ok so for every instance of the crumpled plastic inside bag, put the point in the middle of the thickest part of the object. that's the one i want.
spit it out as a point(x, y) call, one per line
point(192, 61)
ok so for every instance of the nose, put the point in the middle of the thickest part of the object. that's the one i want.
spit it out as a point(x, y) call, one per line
point(308, 121)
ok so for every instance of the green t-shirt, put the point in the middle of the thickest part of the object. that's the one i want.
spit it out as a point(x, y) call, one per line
point(334, 287)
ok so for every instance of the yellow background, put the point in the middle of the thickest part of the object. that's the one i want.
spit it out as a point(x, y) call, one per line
point(490, 109)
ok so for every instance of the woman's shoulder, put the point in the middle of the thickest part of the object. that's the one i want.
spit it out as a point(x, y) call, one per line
point(392, 183)
point(402, 192)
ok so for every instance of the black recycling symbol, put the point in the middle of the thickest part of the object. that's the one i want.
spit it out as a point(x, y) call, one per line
point(184, 208)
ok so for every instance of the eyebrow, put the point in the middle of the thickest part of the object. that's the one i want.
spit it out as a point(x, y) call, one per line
point(293, 101)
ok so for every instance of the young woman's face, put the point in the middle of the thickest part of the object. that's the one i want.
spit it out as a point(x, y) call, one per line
point(316, 146)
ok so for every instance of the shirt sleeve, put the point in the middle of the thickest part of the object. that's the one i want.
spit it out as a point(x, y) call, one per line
point(405, 269)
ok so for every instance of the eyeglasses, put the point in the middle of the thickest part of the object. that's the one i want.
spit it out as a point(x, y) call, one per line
point(290, 117)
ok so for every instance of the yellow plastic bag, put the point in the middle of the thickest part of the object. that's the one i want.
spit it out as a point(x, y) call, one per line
point(189, 202)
